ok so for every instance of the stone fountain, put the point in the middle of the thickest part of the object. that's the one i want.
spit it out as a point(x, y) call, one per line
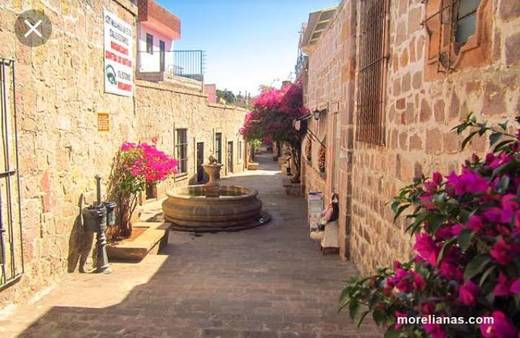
point(212, 207)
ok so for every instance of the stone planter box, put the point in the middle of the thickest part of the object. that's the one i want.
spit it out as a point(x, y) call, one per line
point(252, 166)
point(292, 189)
point(282, 160)
point(148, 242)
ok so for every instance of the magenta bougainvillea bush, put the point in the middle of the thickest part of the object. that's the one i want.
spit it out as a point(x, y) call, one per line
point(135, 166)
point(146, 164)
point(272, 116)
point(466, 256)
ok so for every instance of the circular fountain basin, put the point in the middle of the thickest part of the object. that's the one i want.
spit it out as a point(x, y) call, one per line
point(236, 208)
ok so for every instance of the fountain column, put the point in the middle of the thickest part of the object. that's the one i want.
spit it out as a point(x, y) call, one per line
point(211, 189)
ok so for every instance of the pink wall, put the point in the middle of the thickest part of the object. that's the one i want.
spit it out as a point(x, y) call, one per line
point(211, 91)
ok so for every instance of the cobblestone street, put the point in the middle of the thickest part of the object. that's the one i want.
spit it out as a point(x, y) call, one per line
point(270, 281)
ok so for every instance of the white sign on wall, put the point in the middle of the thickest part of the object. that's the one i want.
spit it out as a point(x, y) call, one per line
point(314, 207)
point(118, 56)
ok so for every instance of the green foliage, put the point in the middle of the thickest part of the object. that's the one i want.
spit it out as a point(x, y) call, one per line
point(466, 254)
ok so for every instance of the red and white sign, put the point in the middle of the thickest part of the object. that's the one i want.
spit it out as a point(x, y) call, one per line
point(118, 56)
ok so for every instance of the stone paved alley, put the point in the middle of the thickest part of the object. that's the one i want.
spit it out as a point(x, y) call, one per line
point(270, 281)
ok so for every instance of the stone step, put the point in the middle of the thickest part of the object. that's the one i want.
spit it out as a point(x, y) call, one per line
point(148, 243)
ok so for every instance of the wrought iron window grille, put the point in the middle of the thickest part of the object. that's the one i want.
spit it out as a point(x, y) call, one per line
point(373, 59)
point(11, 243)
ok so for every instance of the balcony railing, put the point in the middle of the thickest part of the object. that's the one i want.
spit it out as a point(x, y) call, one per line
point(185, 63)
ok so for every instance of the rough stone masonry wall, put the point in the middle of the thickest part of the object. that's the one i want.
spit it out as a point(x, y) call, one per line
point(162, 108)
point(59, 92)
point(419, 114)
point(330, 83)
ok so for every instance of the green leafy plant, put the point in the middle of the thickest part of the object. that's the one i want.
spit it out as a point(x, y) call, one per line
point(322, 158)
point(308, 150)
point(466, 259)
point(272, 116)
point(135, 166)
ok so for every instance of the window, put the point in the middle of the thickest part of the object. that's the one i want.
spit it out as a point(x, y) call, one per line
point(240, 150)
point(372, 66)
point(11, 246)
point(149, 43)
point(454, 30)
point(218, 147)
point(465, 19)
point(181, 150)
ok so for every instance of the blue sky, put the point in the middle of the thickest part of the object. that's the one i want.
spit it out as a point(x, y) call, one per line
point(247, 42)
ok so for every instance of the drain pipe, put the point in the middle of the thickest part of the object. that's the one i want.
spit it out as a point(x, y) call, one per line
point(98, 189)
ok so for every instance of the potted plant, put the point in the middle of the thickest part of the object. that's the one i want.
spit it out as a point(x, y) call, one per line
point(322, 159)
point(308, 150)
point(135, 167)
point(466, 260)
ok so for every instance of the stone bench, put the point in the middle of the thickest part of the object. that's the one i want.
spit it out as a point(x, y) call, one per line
point(328, 238)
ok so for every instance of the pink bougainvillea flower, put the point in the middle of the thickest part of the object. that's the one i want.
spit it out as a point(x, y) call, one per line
point(435, 330)
point(475, 223)
point(515, 286)
point(127, 146)
point(500, 328)
point(468, 293)
point(467, 182)
point(401, 280)
point(418, 281)
point(450, 270)
point(495, 161)
point(426, 248)
point(450, 267)
point(501, 252)
point(510, 207)
point(502, 288)
point(427, 202)
point(149, 163)
point(447, 231)
point(427, 308)
point(456, 229)
point(430, 187)
point(437, 177)
point(493, 215)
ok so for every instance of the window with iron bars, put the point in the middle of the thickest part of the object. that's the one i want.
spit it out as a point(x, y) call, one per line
point(450, 25)
point(371, 75)
point(149, 43)
point(11, 244)
point(181, 150)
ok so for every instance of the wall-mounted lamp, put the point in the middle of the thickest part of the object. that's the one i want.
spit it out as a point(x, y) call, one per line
point(317, 113)
point(299, 124)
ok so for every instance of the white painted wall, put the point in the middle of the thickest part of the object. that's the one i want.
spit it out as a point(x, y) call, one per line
point(150, 62)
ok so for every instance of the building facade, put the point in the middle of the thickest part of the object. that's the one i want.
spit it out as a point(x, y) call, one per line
point(391, 78)
point(69, 129)
point(157, 29)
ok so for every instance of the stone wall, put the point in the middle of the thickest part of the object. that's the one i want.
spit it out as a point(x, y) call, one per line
point(419, 111)
point(330, 85)
point(163, 107)
point(60, 91)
